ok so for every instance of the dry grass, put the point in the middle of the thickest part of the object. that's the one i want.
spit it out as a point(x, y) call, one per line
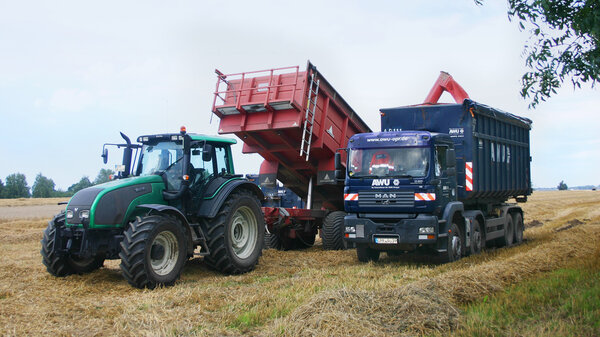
point(30, 201)
point(309, 292)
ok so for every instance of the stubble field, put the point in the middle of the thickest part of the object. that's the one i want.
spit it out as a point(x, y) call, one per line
point(295, 293)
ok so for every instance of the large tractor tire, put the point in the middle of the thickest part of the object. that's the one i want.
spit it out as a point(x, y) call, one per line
point(153, 251)
point(235, 236)
point(64, 265)
point(366, 254)
point(456, 245)
point(333, 231)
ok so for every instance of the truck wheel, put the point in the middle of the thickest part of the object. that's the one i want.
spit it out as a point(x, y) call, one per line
point(366, 254)
point(55, 265)
point(153, 251)
point(509, 229)
point(455, 245)
point(518, 225)
point(476, 238)
point(333, 231)
point(236, 234)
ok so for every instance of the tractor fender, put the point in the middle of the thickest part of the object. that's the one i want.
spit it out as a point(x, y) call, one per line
point(210, 207)
point(170, 210)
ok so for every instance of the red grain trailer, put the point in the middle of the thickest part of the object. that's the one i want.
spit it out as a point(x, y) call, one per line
point(296, 121)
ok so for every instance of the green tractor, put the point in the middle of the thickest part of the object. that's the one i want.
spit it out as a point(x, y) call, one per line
point(181, 200)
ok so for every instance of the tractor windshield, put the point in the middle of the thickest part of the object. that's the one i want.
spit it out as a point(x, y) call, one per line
point(159, 158)
point(388, 162)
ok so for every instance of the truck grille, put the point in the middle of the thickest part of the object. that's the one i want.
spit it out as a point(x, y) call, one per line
point(386, 199)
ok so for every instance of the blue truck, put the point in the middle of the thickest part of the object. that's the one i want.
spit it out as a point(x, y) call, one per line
point(438, 176)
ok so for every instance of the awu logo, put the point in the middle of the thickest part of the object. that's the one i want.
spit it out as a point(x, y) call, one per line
point(381, 182)
point(385, 196)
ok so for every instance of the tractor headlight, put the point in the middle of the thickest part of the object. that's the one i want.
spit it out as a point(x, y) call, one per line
point(69, 214)
point(426, 230)
point(84, 214)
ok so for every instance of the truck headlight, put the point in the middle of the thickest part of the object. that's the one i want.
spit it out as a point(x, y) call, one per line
point(84, 214)
point(426, 230)
point(69, 214)
point(350, 229)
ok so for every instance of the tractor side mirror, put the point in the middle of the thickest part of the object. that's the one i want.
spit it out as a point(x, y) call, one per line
point(451, 158)
point(104, 155)
point(207, 152)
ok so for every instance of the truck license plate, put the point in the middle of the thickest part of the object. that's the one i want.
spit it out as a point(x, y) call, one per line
point(387, 241)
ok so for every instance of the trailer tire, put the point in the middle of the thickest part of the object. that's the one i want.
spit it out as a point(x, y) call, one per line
point(477, 240)
point(153, 251)
point(507, 239)
point(333, 231)
point(366, 254)
point(518, 226)
point(455, 249)
point(236, 234)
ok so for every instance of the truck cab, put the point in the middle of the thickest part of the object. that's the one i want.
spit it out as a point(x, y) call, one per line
point(399, 186)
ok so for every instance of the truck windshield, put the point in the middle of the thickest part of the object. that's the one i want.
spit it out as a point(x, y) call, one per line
point(161, 157)
point(388, 162)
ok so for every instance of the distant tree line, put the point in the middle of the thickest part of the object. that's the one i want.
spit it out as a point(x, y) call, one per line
point(15, 186)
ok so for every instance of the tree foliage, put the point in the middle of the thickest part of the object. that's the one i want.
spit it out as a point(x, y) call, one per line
point(42, 187)
point(103, 176)
point(563, 44)
point(16, 186)
point(1, 188)
point(562, 186)
point(84, 182)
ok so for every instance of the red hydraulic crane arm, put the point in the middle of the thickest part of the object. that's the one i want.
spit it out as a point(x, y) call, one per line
point(445, 82)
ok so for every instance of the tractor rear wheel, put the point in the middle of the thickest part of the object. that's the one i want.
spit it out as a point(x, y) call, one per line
point(236, 234)
point(333, 231)
point(153, 251)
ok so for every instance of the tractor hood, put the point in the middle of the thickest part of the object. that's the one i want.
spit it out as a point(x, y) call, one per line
point(111, 204)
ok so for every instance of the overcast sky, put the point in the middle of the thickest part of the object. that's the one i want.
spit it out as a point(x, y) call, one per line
point(75, 73)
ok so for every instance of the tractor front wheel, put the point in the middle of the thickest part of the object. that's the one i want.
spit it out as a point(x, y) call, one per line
point(333, 231)
point(153, 251)
point(63, 265)
point(236, 234)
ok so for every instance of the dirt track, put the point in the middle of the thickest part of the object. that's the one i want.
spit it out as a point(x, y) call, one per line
point(308, 292)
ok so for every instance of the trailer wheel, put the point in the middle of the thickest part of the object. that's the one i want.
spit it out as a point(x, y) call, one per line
point(153, 251)
point(509, 229)
point(333, 231)
point(366, 254)
point(455, 245)
point(55, 265)
point(476, 237)
point(236, 234)
point(518, 225)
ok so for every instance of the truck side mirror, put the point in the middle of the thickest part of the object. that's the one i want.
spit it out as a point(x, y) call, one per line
point(339, 169)
point(104, 155)
point(450, 158)
point(207, 152)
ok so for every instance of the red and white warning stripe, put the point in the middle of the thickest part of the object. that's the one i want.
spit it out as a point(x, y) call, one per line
point(351, 197)
point(424, 196)
point(469, 176)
